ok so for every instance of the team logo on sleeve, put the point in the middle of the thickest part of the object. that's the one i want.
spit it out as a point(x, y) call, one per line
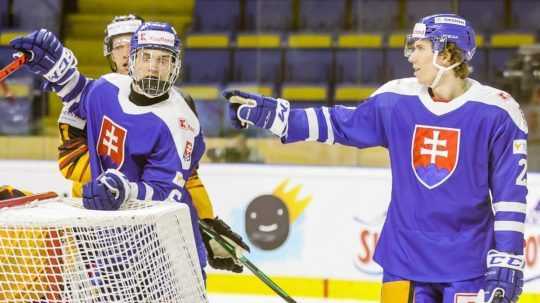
point(519, 146)
point(111, 141)
point(435, 153)
point(185, 125)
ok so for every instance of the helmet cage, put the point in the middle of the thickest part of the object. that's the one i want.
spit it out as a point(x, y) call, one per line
point(438, 43)
point(153, 84)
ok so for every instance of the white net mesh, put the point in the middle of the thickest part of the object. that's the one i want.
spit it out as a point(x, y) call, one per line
point(51, 251)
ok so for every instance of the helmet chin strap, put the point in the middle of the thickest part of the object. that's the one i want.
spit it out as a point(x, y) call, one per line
point(440, 70)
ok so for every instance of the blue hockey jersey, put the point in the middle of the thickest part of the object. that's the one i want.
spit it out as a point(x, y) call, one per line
point(156, 146)
point(458, 174)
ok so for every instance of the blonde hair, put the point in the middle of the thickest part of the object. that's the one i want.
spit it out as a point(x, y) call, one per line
point(456, 55)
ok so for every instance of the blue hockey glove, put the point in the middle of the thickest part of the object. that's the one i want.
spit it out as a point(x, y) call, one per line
point(504, 278)
point(48, 57)
point(107, 192)
point(252, 109)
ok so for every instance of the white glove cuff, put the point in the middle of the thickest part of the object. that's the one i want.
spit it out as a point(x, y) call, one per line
point(279, 126)
point(501, 259)
point(69, 118)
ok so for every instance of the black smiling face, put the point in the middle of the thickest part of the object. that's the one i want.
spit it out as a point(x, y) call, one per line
point(267, 222)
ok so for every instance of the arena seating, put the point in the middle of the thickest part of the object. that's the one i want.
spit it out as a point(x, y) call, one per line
point(311, 51)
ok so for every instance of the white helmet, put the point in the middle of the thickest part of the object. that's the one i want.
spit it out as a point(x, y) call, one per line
point(120, 25)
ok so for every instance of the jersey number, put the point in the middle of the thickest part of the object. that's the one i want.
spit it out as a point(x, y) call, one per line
point(522, 178)
point(175, 195)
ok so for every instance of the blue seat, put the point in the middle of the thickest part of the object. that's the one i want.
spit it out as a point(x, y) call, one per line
point(308, 65)
point(31, 15)
point(474, 11)
point(359, 65)
point(268, 15)
point(525, 15)
point(3, 13)
point(209, 105)
point(479, 65)
point(322, 15)
point(417, 9)
point(211, 114)
point(258, 65)
point(15, 117)
point(397, 65)
point(206, 65)
point(375, 15)
point(217, 15)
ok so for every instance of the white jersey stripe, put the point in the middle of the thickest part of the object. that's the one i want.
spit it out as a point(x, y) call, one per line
point(509, 226)
point(330, 130)
point(517, 207)
point(68, 87)
point(149, 192)
point(312, 124)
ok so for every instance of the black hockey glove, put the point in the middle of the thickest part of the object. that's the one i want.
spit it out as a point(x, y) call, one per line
point(218, 257)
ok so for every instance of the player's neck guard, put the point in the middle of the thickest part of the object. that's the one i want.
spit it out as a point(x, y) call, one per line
point(142, 99)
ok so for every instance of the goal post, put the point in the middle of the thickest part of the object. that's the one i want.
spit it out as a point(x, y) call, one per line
point(53, 251)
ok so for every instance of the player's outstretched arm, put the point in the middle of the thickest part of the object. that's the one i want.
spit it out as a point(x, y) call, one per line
point(362, 126)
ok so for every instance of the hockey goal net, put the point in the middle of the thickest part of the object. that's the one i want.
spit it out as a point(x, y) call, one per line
point(54, 251)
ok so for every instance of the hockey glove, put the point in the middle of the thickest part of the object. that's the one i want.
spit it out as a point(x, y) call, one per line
point(9, 192)
point(252, 109)
point(48, 57)
point(107, 192)
point(218, 257)
point(504, 278)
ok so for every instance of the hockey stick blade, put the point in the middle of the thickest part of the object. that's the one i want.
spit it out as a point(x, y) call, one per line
point(247, 263)
point(13, 66)
point(27, 199)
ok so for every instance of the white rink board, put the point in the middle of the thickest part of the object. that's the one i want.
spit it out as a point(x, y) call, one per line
point(333, 237)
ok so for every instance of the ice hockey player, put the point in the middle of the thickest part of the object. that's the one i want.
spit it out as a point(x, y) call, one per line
point(73, 156)
point(144, 141)
point(457, 149)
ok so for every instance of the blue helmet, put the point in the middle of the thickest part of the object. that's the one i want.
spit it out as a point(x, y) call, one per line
point(150, 79)
point(441, 29)
point(155, 35)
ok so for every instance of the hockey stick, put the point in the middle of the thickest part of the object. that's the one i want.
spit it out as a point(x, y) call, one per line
point(254, 269)
point(27, 199)
point(13, 66)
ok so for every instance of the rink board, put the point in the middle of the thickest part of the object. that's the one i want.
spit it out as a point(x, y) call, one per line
point(334, 219)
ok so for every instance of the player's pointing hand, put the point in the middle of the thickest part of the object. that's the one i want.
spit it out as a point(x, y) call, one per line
point(258, 110)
